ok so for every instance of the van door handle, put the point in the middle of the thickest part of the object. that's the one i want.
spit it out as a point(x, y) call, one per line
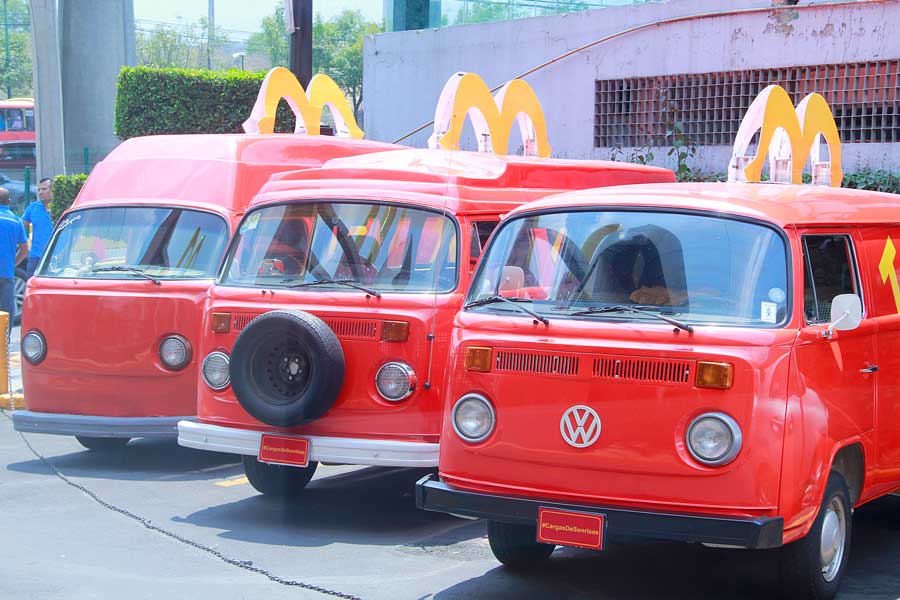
point(870, 369)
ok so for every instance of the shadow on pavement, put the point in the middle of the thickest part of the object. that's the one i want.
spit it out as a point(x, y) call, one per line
point(369, 506)
point(142, 459)
point(672, 570)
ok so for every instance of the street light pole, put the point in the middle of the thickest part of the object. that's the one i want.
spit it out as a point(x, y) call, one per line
point(6, 43)
point(301, 40)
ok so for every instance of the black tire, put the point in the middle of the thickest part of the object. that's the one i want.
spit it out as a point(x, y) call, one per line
point(19, 283)
point(102, 444)
point(276, 480)
point(802, 571)
point(516, 546)
point(287, 368)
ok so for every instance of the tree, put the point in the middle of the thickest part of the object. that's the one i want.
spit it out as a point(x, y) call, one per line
point(337, 51)
point(337, 48)
point(272, 40)
point(185, 45)
point(18, 76)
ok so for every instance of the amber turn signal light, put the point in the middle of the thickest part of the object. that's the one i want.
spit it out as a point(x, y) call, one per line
point(394, 331)
point(719, 376)
point(478, 359)
point(221, 322)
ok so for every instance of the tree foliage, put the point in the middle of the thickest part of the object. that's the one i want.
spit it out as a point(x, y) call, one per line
point(18, 75)
point(337, 51)
point(272, 40)
point(185, 46)
point(337, 48)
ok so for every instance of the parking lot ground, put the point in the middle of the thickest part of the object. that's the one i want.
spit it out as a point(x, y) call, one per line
point(354, 530)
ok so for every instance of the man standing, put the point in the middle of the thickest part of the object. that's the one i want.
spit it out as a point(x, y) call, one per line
point(13, 248)
point(37, 215)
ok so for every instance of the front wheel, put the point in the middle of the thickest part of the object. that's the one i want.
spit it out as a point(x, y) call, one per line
point(277, 480)
point(516, 546)
point(102, 444)
point(813, 567)
point(19, 284)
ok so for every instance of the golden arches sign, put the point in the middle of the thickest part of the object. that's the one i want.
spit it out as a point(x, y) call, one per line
point(787, 133)
point(307, 105)
point(492, 117)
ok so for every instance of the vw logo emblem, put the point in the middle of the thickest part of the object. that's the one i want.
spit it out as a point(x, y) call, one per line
point(580, 426)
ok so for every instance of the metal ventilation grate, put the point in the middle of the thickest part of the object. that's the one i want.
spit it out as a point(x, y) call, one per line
point(537, 362)
point(354, 329)
point(241, 320)
point(655, 370)
point(640, 111)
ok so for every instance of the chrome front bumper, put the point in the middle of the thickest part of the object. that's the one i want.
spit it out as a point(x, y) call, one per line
point(96, 426)
point(345, 451)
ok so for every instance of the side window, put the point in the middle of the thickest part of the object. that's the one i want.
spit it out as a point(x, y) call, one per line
point(830, 270)
point(481, 231)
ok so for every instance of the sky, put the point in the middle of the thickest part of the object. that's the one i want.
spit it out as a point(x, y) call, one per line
point(240, 16)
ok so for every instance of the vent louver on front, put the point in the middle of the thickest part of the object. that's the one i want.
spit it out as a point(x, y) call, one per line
point(537, 362)
point(354, 329)
point(241, 320)
point(655, 370)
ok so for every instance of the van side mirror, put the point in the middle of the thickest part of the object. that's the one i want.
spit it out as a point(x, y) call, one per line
point(846, 314)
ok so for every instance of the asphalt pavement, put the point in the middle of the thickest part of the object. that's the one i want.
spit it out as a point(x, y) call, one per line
point(355, 530)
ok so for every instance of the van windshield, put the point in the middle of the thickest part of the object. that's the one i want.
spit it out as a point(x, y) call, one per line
point(99, 243)
point(388, 248)
point(636, 265)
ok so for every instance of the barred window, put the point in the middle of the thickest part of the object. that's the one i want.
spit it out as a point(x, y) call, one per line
point(640, 111)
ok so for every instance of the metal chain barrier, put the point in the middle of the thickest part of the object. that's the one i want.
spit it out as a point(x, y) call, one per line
point(246, 565)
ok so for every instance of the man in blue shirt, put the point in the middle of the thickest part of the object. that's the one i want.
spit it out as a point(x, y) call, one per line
point(13, 248)
point(37, 215)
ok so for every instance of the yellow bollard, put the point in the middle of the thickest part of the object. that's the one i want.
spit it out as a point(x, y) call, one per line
point(7, 400)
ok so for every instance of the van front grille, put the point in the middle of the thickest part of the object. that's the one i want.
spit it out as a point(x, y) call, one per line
point(241, 320)
point(537, 362)
point(354, 329)
point(631, 369)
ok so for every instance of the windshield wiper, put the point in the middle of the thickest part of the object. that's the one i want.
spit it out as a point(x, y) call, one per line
point(363, 288)
point(643, 310)
point(123, 269)
point(512, 301)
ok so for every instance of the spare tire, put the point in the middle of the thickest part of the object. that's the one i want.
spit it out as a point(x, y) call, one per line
point(287, 368)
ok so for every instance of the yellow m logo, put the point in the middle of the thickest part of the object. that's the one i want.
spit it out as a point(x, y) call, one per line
point(788, 133)
point(306, 105)
point(492, 117)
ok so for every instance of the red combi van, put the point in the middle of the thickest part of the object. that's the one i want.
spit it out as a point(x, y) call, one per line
point(708, 363)
point(326, 335)
point(112, 317)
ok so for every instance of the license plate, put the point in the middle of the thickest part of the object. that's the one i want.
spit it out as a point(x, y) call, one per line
point(568, 528)
point(284, 450)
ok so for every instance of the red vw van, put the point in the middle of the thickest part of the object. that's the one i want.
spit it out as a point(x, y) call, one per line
point(710, 363)
point(112, 317)
point(326, 335)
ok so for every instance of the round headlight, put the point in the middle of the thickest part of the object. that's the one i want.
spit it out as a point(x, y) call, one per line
point(714, 439)
point(395, 381)
point(34, 347)
point(473, 417)
point(215, 370)
point(175, 352)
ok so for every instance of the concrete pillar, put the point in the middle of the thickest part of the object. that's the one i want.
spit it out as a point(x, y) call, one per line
point(403, 15)
point(47, 88)
point(97, 40)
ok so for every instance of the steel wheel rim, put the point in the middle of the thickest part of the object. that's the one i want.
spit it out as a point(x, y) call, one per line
point(833, 537)
point(20, 294)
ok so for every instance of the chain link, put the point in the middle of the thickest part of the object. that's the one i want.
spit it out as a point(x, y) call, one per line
point(247, 565)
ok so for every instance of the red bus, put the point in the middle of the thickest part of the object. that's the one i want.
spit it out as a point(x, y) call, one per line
point(17, 119)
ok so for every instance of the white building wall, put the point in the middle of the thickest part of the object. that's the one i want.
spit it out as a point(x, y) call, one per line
point(405, 71)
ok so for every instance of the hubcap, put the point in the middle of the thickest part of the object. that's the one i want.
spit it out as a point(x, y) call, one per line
point(834, 532)
point(281, 369)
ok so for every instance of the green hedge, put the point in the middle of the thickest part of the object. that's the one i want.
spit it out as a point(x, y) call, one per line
point(65, 188)
point(153, 101)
